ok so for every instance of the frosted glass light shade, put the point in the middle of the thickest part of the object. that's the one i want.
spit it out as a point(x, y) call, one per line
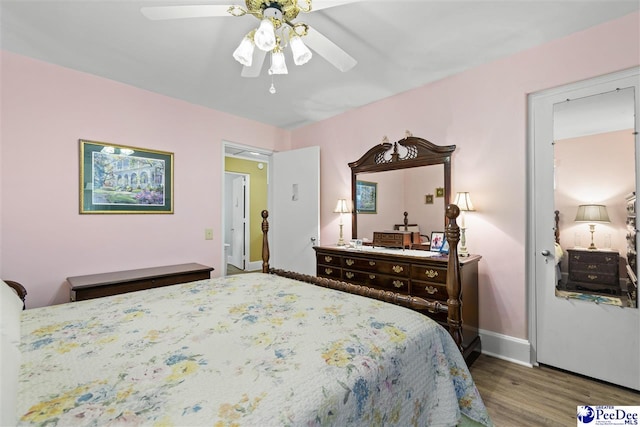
point(301, 53)
point(244, 52)
point(278, 64)
point(265, 37)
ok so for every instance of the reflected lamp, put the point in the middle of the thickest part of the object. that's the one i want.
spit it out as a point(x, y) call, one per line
point(592, 214)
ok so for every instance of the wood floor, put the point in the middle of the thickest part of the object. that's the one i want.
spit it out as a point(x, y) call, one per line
point(519, 396)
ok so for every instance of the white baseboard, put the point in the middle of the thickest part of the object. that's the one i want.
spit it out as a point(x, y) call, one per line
point(254, 265)
point(504, 347)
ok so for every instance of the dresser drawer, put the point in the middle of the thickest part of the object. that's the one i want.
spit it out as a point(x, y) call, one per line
point(392, 283)
point(429, 290)
point(429, 273)
point(377, 266)
point(327, 259)
point(329, 271)
point(593, 258)
point(594, 277)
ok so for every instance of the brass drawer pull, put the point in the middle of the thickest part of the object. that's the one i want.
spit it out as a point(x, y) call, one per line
point(592, 276)
point(349, 275)
point(431, 290)
point(431, 273)
point(328, 271)
point(397, 269)
point(372, 276)
point(398, 283)
point(328, 258)
point(372, 263)
point(350, 262)
point(592, 266)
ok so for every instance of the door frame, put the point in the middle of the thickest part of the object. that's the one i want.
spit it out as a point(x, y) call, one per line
point(530, 261)
point(263, 156)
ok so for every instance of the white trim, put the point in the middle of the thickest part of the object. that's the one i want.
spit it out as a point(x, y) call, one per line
point(254, 266)
point(515, 350)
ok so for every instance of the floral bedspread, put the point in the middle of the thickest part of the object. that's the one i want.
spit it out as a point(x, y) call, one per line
point(252, 349)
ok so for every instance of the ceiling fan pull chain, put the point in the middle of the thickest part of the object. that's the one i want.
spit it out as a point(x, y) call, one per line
point(272, 89)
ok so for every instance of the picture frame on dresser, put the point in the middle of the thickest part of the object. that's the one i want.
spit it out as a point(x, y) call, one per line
point(437, 241)
point(120, 179)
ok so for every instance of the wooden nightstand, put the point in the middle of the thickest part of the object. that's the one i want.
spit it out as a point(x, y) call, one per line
point(594, 270)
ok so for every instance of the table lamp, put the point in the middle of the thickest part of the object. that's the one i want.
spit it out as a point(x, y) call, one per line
point(342, 207)
point(463, 201)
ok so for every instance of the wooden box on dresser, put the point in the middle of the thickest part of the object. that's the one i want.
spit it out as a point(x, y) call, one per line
point(419, 276)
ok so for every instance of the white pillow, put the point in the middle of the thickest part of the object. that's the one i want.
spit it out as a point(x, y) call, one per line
point(10, 312)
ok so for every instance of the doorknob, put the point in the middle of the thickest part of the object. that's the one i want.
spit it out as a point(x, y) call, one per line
point(313, 240)
point(545, 252)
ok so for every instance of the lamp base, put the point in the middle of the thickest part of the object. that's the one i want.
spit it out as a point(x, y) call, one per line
point(341, 239)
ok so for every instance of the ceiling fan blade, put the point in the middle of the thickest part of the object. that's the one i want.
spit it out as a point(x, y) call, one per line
point(324, 4)
point(329, 50)
point(158, 13)
point(256, 65)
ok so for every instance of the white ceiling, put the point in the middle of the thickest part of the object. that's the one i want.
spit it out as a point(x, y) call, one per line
point(399, 45)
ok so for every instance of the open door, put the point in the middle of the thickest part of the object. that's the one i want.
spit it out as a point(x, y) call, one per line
point(238, 222)
point(295, 212)
point(577, 326)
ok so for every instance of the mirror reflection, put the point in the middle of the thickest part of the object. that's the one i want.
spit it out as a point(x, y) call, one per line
point(594, 196)
point(410, 190)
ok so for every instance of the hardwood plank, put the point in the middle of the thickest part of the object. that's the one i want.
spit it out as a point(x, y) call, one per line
point(520, 396)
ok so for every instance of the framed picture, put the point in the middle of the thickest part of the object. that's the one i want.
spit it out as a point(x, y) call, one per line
point(119, 179)
point(366, 197)
point(439, 192)
point(437, 241)
point(428, 199)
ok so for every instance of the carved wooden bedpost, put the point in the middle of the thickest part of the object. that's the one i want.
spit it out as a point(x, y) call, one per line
point(265, 241)
point(454, 318)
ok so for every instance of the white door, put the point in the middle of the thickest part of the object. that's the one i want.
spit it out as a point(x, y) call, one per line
point(597, 340)
point(238, 222)
point(295, 213)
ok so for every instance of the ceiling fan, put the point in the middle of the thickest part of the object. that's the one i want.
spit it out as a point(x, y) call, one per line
point(276, 31)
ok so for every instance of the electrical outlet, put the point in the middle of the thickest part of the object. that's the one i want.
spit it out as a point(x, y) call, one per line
point(208, 234)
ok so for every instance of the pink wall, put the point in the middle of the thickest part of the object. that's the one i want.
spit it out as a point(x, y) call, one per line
point(45, 110)
point(484, 112)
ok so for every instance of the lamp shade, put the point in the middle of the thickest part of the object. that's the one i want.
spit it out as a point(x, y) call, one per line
point(244, 53)
point(278, 64)
point(301, 53)
point(592, 213)
point(463, 201)
point(343, 206)
point(265, 37)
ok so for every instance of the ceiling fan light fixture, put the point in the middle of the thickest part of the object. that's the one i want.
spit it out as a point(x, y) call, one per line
point(265, 37)
point(244, 52)
point(301, 53)
point(278, 63)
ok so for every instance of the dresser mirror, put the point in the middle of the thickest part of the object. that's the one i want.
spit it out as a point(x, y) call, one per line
point(594, 198)
point(410, 175)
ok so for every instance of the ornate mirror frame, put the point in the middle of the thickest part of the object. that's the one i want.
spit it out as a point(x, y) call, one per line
point(420, 152)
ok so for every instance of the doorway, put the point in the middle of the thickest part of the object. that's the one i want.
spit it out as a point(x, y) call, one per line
point(573, 325)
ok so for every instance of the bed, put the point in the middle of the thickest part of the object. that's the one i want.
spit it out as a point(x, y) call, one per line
point(255, 349)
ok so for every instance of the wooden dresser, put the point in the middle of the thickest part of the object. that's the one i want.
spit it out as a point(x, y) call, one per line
point(594, 270)
point(412, 275)
point(120, 282)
